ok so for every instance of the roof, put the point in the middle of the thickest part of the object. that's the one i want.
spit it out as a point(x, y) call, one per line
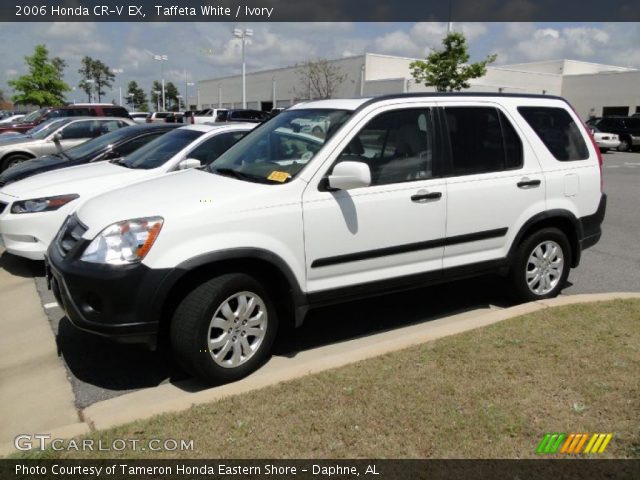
point(203, 127)
point(356, 103)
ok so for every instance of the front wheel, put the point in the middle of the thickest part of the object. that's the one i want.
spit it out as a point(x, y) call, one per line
point(224, 329)
point(541, 265)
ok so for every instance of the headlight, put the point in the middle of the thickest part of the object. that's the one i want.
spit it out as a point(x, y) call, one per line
point(45, 204)
point(124, 242)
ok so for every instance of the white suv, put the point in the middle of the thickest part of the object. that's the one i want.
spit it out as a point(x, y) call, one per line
point(402, 191)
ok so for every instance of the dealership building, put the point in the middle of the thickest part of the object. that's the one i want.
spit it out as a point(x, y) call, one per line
point(593, 89)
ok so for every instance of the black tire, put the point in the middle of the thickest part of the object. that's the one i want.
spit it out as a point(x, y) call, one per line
point(518, 272)
point(604, 150)
point(191, 321)
point(13, 160)
point(625, 145)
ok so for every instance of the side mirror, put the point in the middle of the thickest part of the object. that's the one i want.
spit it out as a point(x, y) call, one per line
point(348, 175)
point(57, 137)
point(189, 163)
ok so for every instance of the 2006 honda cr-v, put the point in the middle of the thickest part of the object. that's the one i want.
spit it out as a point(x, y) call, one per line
point(398, 192)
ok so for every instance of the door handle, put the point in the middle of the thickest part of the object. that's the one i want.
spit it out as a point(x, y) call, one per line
point(526, 183)
point(423, 197)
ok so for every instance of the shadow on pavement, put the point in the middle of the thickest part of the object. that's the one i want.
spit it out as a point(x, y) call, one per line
point(21, 267)
point(107, 365)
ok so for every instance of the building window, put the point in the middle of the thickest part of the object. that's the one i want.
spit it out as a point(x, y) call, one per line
point(610, 111)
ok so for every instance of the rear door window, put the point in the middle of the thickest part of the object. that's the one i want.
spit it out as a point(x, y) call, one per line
point(557, 130)
point(482, 140)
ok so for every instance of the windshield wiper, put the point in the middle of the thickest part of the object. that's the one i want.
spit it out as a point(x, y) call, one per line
point(230, 172)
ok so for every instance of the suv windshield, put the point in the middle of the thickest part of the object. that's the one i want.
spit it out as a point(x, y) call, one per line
point(279, 149)
point(160, 150)
point(95, 146)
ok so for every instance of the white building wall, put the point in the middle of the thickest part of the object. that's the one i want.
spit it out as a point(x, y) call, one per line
point(590, 93)
point(588, 86)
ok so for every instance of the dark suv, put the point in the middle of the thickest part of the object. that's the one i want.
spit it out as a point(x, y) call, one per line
point(627, 128)
point(76, 110)
point(253, 116)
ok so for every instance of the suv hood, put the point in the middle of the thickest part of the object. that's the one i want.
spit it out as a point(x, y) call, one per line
point(203, 195)
point(82, 179)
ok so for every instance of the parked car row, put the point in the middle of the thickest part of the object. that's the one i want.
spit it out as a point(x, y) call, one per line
point(76, 110)
point(397, 192)
point(626, 129)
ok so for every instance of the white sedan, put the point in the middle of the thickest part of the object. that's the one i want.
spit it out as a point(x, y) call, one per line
point(605, 141)
point(32, 210)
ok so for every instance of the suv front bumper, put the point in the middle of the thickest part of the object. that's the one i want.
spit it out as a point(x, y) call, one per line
point(119, 302)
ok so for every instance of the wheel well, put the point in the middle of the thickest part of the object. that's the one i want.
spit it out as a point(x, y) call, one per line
point(564, 224)
point(270, 276)
point(8, 156)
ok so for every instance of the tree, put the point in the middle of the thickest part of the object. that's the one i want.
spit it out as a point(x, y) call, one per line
point(171, 97)
point(96, 77)
point(448, 69)
point(156, 98)
point(136, 97)
point(319, 78)
point(43, 85)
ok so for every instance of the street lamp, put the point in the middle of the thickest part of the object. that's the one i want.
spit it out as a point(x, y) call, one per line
point(161, 59)
point(179, 97)
point(158, 92)
point(243, 35)
point(186, 94)
point(133, 101)
point(116, 72)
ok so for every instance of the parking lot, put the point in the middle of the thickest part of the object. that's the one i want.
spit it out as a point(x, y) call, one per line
point(99, 369)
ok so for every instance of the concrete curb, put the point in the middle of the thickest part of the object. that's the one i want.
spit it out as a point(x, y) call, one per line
point(180, 396)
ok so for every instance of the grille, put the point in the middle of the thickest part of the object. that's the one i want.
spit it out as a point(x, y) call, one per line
point(3, 206)
point(70, 234)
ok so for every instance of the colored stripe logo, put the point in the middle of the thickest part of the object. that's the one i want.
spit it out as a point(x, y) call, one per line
point(574, 443)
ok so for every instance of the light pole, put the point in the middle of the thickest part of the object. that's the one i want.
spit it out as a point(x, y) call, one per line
point(133, 101)
point(179, 97)
point(243, 35)
point(158, 92)
point(116, 72)
point(161, 59)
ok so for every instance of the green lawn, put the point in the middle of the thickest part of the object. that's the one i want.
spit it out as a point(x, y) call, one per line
point(492, 392)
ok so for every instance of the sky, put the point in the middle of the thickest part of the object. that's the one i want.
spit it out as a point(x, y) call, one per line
point(209, 50)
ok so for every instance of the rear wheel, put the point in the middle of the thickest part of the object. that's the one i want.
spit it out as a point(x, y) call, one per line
point(541, 265)
point(625, 145)
point(224, 329)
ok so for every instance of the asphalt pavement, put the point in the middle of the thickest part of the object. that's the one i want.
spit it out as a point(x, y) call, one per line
point(99, 369)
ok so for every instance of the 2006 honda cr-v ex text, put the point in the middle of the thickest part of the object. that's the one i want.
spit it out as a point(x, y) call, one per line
point(395, 192)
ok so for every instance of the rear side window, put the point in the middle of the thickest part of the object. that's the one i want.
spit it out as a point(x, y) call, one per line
point(115, 112)
point(482, 141)
point(557, 130)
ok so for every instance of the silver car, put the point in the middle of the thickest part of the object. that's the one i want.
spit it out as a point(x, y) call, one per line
point(56, 137)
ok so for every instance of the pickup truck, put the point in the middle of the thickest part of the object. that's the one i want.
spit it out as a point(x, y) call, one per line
point(206, 115)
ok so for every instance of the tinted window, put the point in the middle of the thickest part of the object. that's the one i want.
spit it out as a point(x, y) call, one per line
point(212, 148)
point(397, 146)
point(482, 141)
point(78, 130)
point(134, 144)
point(633, 123)
point(558, 131)
point(97, 145)
point(160, 150)
point(115, 112)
